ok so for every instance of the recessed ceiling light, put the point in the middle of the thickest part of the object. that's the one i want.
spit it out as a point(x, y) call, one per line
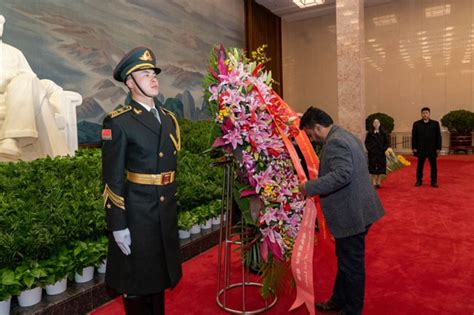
point(307, 3)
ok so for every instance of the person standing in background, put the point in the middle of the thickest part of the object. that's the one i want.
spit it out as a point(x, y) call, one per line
point(376, 143)
point(426, 144)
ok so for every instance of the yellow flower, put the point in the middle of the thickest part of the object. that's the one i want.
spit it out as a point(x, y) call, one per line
point(403, 160)
point(223, 113)
point(268, 189)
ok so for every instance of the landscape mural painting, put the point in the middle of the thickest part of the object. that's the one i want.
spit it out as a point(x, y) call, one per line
point(78, 43)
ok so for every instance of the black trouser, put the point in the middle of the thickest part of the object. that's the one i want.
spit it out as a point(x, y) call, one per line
point(153, 304)
point(349, 286)
point(421, 165)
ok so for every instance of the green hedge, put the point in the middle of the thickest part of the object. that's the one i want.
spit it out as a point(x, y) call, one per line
point(48, 203)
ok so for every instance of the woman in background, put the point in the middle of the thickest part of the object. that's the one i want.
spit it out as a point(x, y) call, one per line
point(377, 142)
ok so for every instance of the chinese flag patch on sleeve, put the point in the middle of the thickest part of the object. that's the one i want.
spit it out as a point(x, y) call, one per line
point(106, 134)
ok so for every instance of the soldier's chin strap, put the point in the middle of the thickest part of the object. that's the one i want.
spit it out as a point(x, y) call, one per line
point(139, 87)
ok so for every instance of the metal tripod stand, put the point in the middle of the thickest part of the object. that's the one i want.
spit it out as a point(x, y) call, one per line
point(226, 241)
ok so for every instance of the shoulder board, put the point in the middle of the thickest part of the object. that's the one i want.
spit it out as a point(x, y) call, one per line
point(167, 111)
point(120, 111)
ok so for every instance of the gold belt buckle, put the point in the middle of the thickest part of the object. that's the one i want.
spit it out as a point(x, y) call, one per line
point(165, 178)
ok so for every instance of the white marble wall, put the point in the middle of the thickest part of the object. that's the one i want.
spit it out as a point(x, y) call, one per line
point(416, 53)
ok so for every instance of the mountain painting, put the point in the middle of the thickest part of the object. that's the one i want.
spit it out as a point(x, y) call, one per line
point(78, 43)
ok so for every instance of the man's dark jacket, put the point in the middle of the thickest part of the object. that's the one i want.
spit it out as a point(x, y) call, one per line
point(426, 137)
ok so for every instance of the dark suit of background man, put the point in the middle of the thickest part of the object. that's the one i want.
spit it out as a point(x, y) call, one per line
point(139, 147)
point(349, 203)
point(426, 144)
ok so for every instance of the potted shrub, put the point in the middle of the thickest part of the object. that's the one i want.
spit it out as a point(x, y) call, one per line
point(386, 122)
point(58, 268)
point(460, 124)
point(204, 216)
point(9, 286)
point(85, 257)
point(102, 247)
point(186, 220)
point(215, 210)
point(196, 228)
point(31, 277)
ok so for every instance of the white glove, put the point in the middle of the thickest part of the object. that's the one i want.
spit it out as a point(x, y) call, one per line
point(123, 240)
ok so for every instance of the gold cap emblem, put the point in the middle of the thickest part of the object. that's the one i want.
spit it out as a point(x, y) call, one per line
point(146, 56)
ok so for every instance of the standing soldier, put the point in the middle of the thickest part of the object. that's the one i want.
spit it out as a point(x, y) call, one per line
point(140, 143)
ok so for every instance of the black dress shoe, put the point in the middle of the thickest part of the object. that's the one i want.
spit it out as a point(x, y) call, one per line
point(418, 184)
point(435, 185)
point(328, 306)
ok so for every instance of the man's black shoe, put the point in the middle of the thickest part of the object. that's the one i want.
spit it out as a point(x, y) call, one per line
point(435, 185)
point(328, 306)
point(418, 184)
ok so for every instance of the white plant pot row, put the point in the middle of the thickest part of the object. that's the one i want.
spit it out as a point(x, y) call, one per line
point(196, 228)
point(184, 234)
point(57, 288)
point(102, 267)
point(216, 220)
point(5, 307)
point(206, 225)
point(87, 275)
point(30, 297)
point(33, 296)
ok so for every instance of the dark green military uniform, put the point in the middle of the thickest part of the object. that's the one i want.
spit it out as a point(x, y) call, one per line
point(138, 164)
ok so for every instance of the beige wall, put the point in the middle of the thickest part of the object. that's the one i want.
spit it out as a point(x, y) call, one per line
point(418, 52)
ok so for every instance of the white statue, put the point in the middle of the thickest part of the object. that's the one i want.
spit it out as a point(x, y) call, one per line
point(29, 129)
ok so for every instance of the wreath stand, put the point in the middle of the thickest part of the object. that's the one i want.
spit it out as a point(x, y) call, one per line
point(224, 255)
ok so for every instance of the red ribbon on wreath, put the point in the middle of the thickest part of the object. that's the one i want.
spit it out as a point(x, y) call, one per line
point(302, 255)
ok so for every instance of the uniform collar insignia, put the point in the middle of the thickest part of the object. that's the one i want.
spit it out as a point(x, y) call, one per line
point(146, 56)
point(137, 111)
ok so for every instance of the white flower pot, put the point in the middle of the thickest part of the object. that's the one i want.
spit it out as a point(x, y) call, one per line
point(207, 225)
point(196, 229)
point(30, 297)
point(184, 234)
point(102, 267)
point(5, 307)
point(87, 275)
point(216, 220)
point(57, 288)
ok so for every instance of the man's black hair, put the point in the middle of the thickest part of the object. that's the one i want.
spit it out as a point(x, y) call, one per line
point(313, 116)
point(425, 108)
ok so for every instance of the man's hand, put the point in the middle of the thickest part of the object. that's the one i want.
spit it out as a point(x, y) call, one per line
point(302, 188)
point(437, 152)
point(414, 151)
point(123, 240)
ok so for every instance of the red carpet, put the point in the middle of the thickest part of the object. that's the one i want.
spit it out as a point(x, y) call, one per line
point(420, 256)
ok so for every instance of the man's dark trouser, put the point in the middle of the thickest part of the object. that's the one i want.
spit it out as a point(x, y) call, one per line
point(349, 286)
point(421, 165)
point(153, 304)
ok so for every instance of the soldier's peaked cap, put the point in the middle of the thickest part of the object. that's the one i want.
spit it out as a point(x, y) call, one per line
point(140, 58)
